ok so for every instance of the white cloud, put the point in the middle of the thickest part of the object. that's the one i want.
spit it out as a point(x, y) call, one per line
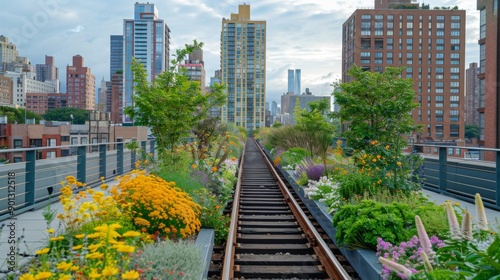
point(304, 34)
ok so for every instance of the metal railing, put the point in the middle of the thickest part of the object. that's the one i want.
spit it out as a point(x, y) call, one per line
point(463, 177)
point(32, 184)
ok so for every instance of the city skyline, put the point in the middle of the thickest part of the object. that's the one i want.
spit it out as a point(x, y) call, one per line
point(295, 37)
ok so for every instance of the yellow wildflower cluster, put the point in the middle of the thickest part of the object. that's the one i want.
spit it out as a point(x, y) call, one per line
point(157, 206)
point(87, 207)
point(104, 254)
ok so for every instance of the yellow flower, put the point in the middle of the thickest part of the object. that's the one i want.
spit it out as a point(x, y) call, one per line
point(94, 275)
point(387, 147)
point(104, 187)
point(65, 277)
point(80, 236)
point(93, 235)
point(125, 249)
point(43, 251)
point(74, 268)
point(109, 271)
point(27, 277)
point(64, 266)
point(50, 230)
point(59, 238)
point(378, 156)
point(102, 178)
point(214, 169)
point(399, 163)
point(131, 274)
point(131, 233)
point(95, 255)
point(374, 160)
point(43, 275)
point(77, 247)
point(193, 166)
point(457, 203)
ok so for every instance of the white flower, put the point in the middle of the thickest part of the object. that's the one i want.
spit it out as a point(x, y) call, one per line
point(481, 215)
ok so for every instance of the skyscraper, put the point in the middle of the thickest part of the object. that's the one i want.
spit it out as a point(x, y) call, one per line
point(291, 80)
point(489, 81)
point(243, 69)
point(430, 44)
point(472, 95)
point(147, 39)
point(80, 85)
point(296, 87)
point(116, 54)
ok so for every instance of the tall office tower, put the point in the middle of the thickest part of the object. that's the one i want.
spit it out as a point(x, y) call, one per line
point(291, 80)
point(489, 81)
point(195, 67)
point(8, 53)
point(80, 85)
point(430, 44)
point(48, 72)
point(116, 54)
point(274, 108)
point(243, 69)
point(147, 39)
point(296, 87)
point(115, 99)
point(472, 95)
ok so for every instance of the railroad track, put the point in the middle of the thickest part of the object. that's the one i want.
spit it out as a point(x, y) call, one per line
point(272, 235)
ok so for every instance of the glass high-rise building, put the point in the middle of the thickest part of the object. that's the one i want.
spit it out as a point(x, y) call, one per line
point(147, 39)
point(243, 69)
point(116, 54)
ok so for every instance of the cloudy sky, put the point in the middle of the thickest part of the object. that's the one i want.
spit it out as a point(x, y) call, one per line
point(303, 34)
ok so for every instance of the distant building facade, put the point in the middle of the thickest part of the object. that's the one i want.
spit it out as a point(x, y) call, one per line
point(243, 69)
point(5, 91)
point(80, 85)
point(147, 39)
point(472, 95)
point(195, 67)
point(289, 101)
point(430, 44)
point(48, 72)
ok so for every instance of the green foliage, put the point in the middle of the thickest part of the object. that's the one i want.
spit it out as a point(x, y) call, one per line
point(472, 131)
point(303, 179)
point(359, 225)
point(293, 156)
point(168, 260)
point(64, 114)
point(17, 115)
point(377, 107)
point(172, 104)
point(354, 183)
point(212, 215)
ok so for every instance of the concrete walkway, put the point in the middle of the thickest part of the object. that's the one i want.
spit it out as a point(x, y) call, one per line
point(492, 215)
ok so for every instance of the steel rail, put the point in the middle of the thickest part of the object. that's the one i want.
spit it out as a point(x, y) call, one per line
point(228, 263)
point(332, 266)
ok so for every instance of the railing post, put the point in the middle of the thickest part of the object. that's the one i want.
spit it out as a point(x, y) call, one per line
point(497, 153)
point(29, 196)
point(81, 164)
point(102, 160)
point(143, 149)
point(442, 169)
point(119, 157)
point(152, 147)
point(133, 159)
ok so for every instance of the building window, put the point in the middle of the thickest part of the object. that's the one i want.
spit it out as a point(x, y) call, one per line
point(366, 16)
point(18, 143)
point(455, 132)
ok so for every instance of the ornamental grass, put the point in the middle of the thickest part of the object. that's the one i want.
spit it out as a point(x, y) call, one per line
point(157, 206)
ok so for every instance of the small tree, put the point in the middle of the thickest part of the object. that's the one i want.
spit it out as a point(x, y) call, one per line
point(172, 104)
point(377, 106)
point(472, 131)
point(65, 113)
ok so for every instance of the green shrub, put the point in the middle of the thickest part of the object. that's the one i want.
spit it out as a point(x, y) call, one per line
point(359, 225)
point(293, 156)
point(355, 183)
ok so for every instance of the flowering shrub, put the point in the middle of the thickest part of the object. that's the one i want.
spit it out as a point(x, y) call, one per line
point(103, 254)
point(310, 168)
point(407, 254)
point(157, 206)
point(212, 215)
point(323, 190)
point(88, 208)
